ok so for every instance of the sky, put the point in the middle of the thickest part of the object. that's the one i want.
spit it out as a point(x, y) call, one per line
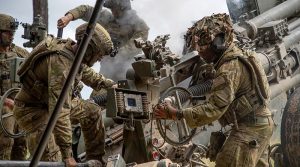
point(162, 16)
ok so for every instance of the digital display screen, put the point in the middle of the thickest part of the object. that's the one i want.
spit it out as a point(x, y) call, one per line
point(131, 102)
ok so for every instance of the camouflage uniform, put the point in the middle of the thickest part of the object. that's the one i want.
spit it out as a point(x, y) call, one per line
point(88, 114)
point(234, 99)
point(123, 30)
point(11, 149)
point(43, 75)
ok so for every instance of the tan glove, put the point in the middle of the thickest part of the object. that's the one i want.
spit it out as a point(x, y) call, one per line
point(64, 21)
point(110, 83)
point(70, 162)
point(165, 111)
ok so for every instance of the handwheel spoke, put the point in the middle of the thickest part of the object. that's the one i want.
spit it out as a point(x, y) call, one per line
point(182, 132)
point(170, 124)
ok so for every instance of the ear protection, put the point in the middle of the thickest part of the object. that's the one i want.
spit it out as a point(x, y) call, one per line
point(218, 44)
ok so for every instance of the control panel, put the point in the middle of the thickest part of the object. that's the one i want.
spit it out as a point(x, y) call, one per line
point(124, 103)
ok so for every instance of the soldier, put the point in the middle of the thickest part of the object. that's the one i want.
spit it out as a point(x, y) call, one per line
point(43, 75)
point(15, 149)
point(86, 108)
point(239, 95)
point(123, 25)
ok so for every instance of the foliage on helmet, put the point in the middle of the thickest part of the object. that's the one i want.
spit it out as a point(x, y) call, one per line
point(203, 32)
point(8, 23)
point(100, 42)
point(120, 4)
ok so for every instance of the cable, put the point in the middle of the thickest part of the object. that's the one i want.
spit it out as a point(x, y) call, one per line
point(7, 133)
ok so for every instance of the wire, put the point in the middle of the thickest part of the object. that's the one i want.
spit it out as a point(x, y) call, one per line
point(6, 95)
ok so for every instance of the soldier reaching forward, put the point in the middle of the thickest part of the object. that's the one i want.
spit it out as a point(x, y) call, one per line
point(239, 94)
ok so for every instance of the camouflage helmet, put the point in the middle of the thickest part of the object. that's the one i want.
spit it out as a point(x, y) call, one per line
point(204, 31)
point(8, 23)
point(120, 4)
point(100, 43)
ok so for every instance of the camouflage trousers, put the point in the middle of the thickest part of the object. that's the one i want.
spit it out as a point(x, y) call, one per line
point(86, 113)
point(11, 149)
point(246, 147)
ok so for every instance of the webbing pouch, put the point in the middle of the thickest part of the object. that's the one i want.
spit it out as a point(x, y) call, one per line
point(217, 140)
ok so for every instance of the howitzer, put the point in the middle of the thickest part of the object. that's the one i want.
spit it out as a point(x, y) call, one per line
point(151, 74)
point(271, 28)
point(273, 33)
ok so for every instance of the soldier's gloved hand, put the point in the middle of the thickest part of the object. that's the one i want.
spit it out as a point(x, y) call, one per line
point(165, 111)
point(114, 86)
point(9, 103)
point(70, 162)
point(170, 99)
point(64, 21)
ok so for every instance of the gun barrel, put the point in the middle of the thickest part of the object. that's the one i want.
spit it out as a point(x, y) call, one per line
point(284, 85)
point(281, 11)
point(293, 25)
point(292, 39)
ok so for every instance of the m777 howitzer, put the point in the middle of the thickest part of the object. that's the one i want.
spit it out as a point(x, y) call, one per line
point(271, 28)
point(134, 98)
point(151, 74)
point(274, 34)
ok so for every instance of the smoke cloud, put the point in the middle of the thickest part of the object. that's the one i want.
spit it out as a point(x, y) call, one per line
point(163, 17)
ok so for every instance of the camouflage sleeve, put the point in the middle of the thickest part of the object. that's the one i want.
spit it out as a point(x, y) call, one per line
point(84, 12)
point(95, 80)
point(20, 51)
point(222, 94)
point(58, 70)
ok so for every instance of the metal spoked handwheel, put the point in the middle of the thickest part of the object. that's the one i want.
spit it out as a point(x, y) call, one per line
point(176, 132)
point(6, 95)
point(198, 153)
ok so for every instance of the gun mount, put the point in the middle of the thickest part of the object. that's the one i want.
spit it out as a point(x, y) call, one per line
point(156, 60)
point(273, 31)
point(35, 32)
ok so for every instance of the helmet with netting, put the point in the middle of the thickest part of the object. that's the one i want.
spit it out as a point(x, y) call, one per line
point(204, 31)
point(100, 43)
point(8, 23)
point(120, 4)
